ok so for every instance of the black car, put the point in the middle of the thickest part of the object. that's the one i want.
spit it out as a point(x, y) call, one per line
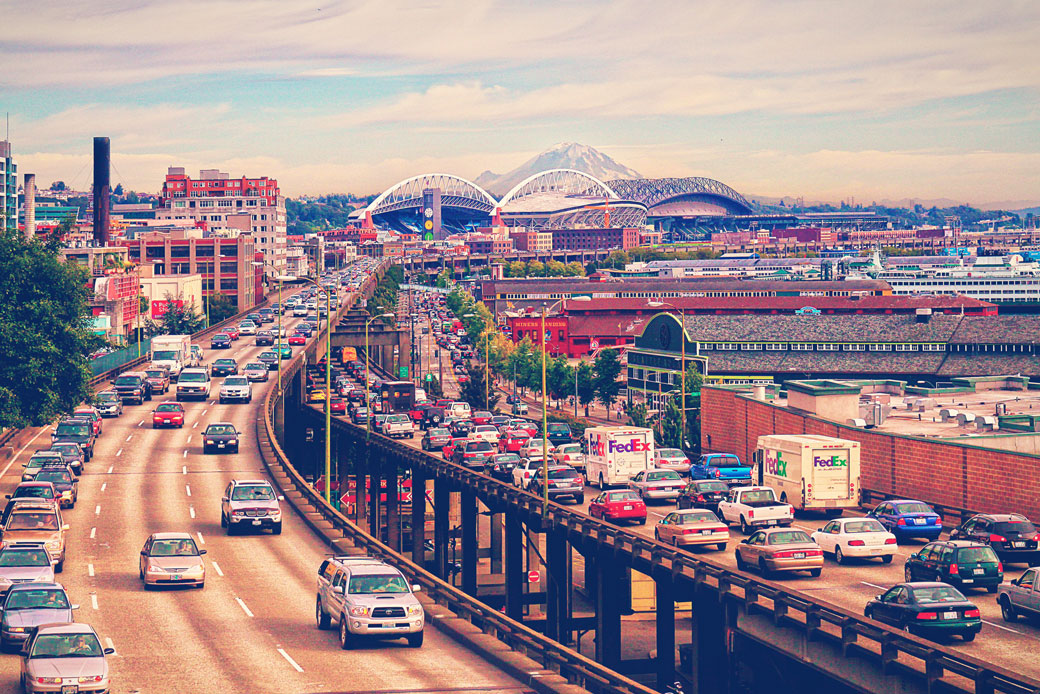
point(132, 386)
point(270, 358)
point(435, 439)
point(305, 329)
point(1013, 537)
point(264, 337)
point(220, 341)
point(220, 437)
point(501, 466)
point(359, 415)
point(77, 431)
point(703, 494)
point(929, 610)
point(473, 455)
point(224, 367)
point(558, 433)
point(72, 454)
point(957, 562)
point(461, 427)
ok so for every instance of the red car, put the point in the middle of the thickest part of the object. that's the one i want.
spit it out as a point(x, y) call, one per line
point(337, 405)
point(616, 505)
point(449, 450)
point(232, 332)
point(462, 378)
point(481, 418)
point(529, 428)
point(297, 339)
point(513, 441)
point(92, 414)
point(168, 414)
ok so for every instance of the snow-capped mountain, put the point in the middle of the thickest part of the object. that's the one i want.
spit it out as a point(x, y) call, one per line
point(566, 155)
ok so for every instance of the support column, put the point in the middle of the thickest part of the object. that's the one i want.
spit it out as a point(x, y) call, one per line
point(496, 522)
point(608, 611)
point(665, 616)
point(558, 587)
point(419, 516)
point(515, 578)
point(709, 652)
point(393, 520)
point(361, 465)
point(441, 522)
point(469, 542)
point(375, 474)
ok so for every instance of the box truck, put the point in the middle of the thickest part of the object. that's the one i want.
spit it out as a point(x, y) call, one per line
point(173, 352)
point(812, 473)
point(615, 454)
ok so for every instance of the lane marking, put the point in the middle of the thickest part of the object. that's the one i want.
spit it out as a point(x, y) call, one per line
point(292, 662)
point(97, 510)
point(184, 469)
point(110, 469)
point(22, 450)
point(187, 488)
point(103, 485)
point(191, 510)
point(195, 425)
point(93, 533)
point(185, 455)
point(141, 423)
point(203, 412)
point(872, 585)
point(129, 437)
point(119, 452)
point(189, 439)
point(93, 601)
point(243, 606)
point(201, 540)
point(216, 567)
point(108, 642)
point(1001, 626)
point(90, 570)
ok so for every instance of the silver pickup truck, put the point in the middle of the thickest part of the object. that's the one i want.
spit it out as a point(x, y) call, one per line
point(399, 426)
point(1020, 597)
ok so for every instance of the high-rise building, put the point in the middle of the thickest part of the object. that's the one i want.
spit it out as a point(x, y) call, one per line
point(229, 207)
point(8, 187)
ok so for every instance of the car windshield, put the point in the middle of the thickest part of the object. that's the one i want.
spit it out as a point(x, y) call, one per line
point(169, 406)
point(864, 526)
point(724, 461)
point(269, 355)
point(933, 594)
point(128, 381)
point(40, 461)
point(569, 448)
point(361, 410)
point(24, 557)
point(507, 458)
point(35, 491)
point(397, 418)
point(377, 583)
point(622, 496)
point(246, 492)
point(66, 448)
point(221, 337)
point(165, 355)
point(224, 362)
point(256, 366)
point(32, 520)
point(662, 476)
point(108, 396)
point(484, 428)
point(44, 598)
point(192, 377)
point(156, 373)
point(695, 518)
point(787, 537)
point(711, 487)
point(478, 446)
point(1024, 527)
point(66, 646)
point(558, 428)
point(53, 476)
point(913, 507)
point(967, 555)
point(757, 495)
point(220, 429)
point(70, 429)
point(236, 381)
point(184, 547)
point(439, 432)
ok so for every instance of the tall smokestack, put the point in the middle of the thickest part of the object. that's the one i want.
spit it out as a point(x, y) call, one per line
point(29, 189)
point(102, 184)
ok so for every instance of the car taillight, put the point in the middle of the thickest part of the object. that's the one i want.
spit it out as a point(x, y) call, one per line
point(954, 569)
point(856, 543)
point(751, 513)
point(700, 497)
point(928, 615)
point(997, 538)
point(972, 613)
point(690, 531)
point(890, 541)
point(718, 473)
point(901, 521)
point(1000, 567)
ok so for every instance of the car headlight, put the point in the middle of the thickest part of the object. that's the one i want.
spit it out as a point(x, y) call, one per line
point(16, 630)
point(155, 570)
point(210, 442)
point(53, 544)
point(358, 611)
point(414, 610)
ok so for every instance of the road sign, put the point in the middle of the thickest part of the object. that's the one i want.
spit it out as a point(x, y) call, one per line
point(429, 377)
point(402, 372)
point(533, 577)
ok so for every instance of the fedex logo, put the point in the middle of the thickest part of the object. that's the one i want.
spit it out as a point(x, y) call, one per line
point(596, 446)
point(830, 461)
point(775, 464)
point(633, 446)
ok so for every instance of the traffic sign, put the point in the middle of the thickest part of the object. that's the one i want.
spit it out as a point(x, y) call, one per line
point(429, 377)
point(533, 577)
point(402, 372)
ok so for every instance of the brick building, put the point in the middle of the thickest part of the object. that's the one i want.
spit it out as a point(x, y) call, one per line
point(532, 241)
point(587, 239)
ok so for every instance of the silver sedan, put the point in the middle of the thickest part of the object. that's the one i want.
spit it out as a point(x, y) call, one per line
point(657, 484)
point(65, 657)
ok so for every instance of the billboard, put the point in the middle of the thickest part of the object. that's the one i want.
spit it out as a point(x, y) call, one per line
point(159, 307)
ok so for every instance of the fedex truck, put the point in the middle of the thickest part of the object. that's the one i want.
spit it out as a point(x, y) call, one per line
point(615, 454)
point(173, 352)
point(812, 473)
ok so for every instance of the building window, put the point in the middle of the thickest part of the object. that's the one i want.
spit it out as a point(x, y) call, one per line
point(907, 348)
point(880, 348)
point(751, 347)
point(801, 347)
point(776, 347)
point(827, 348)
point(228, 268)
point(933, 348)
point(854, 348)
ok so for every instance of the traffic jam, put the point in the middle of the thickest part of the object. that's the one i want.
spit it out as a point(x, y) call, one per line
point(791, 514)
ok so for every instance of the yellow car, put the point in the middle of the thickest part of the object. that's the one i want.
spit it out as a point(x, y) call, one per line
point(316, 396)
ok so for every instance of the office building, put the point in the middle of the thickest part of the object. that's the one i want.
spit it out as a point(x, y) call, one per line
point(8, 187)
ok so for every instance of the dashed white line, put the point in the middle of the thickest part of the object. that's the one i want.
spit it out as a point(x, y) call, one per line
point(108, 642)
point(93, 601)
point(119, 452)
point(296, 666)
point(191, 510)
point(1001, 626)
point(195, 425)
point(201, 540)
point(104, 485)
point(216, 567)
point(187, 488)
point(97, 510)
point(93, 533)
point(185, 455)
point(90, 570)
point(203, 412)
point(872, 585)
point(243, 606)
point(184, 469)
point(129, 437)
point(110, 469)
point(141, 423)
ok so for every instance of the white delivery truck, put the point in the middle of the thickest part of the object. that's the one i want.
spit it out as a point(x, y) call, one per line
point(615, 454)
point(812, 473)
point(173, 352)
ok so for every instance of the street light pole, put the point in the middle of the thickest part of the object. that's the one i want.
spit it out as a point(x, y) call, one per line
point(545, 422)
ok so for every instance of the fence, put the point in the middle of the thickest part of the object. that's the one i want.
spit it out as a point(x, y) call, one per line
point(107, 362)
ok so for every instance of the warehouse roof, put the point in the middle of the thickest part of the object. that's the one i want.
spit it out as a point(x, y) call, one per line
point(821, 328)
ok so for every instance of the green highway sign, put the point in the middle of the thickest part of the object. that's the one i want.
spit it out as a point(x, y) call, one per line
point(402, 372)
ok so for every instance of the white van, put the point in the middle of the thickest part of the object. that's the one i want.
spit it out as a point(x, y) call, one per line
point(299, 310)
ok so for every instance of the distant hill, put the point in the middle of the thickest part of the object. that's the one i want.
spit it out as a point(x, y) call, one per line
point(566, 155)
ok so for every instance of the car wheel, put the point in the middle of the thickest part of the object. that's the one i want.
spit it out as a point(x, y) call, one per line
point(1007, 610)
point(744, 527)
point(60, 566)
point(345, 640)
point(602, 485)
point(887, 559)
point(764, 569)
point(815, 573)
point(741, 566)
point(839, 557)
point(991, 589)
point(230, 529)
point(721, 546)
point(970, 636)
point(276, 529)
point(908, 575)
point(324, 620)
point(154, 425)
point(223, 520)
point(415, 640)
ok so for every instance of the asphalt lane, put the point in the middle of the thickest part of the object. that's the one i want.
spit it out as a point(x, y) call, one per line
point(251, 629)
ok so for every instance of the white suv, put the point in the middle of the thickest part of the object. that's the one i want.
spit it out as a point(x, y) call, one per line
point(251, 505)
point(193, 383)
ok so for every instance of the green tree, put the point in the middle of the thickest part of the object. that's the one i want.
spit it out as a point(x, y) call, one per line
point(521, 362)
point(443, 279)
point(143, 304)
point(518, 268)
point(554, 268)
point(58, 186)
point(637, 415)
point(535, 268)
point(178, 320)
point(575, 269)
point(559, 378)
point(607, 369)
point(433, 388)
point(221, 307)
point(472, 391)
point(45, 334)
point(586, 385)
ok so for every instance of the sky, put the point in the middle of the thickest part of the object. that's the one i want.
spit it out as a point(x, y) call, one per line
point(820, 99)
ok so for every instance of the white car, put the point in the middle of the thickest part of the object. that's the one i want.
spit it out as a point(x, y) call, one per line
point(486, 432)
point(526, 470)
point(247, 327)
point(856, 537)
point(671, 459)
point(657, 484)
point(236, 388)
point(534, 449)
point(569, 454)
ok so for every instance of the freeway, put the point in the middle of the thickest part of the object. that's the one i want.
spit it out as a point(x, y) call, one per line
point(852, 585)
point(251, 629)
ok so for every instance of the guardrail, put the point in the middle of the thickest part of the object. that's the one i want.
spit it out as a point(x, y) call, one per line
point(575, 667)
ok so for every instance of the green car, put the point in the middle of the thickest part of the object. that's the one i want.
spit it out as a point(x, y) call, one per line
point(286, 352)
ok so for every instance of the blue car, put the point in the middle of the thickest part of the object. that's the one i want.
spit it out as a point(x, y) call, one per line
point(725, 467)
point(907, 518)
